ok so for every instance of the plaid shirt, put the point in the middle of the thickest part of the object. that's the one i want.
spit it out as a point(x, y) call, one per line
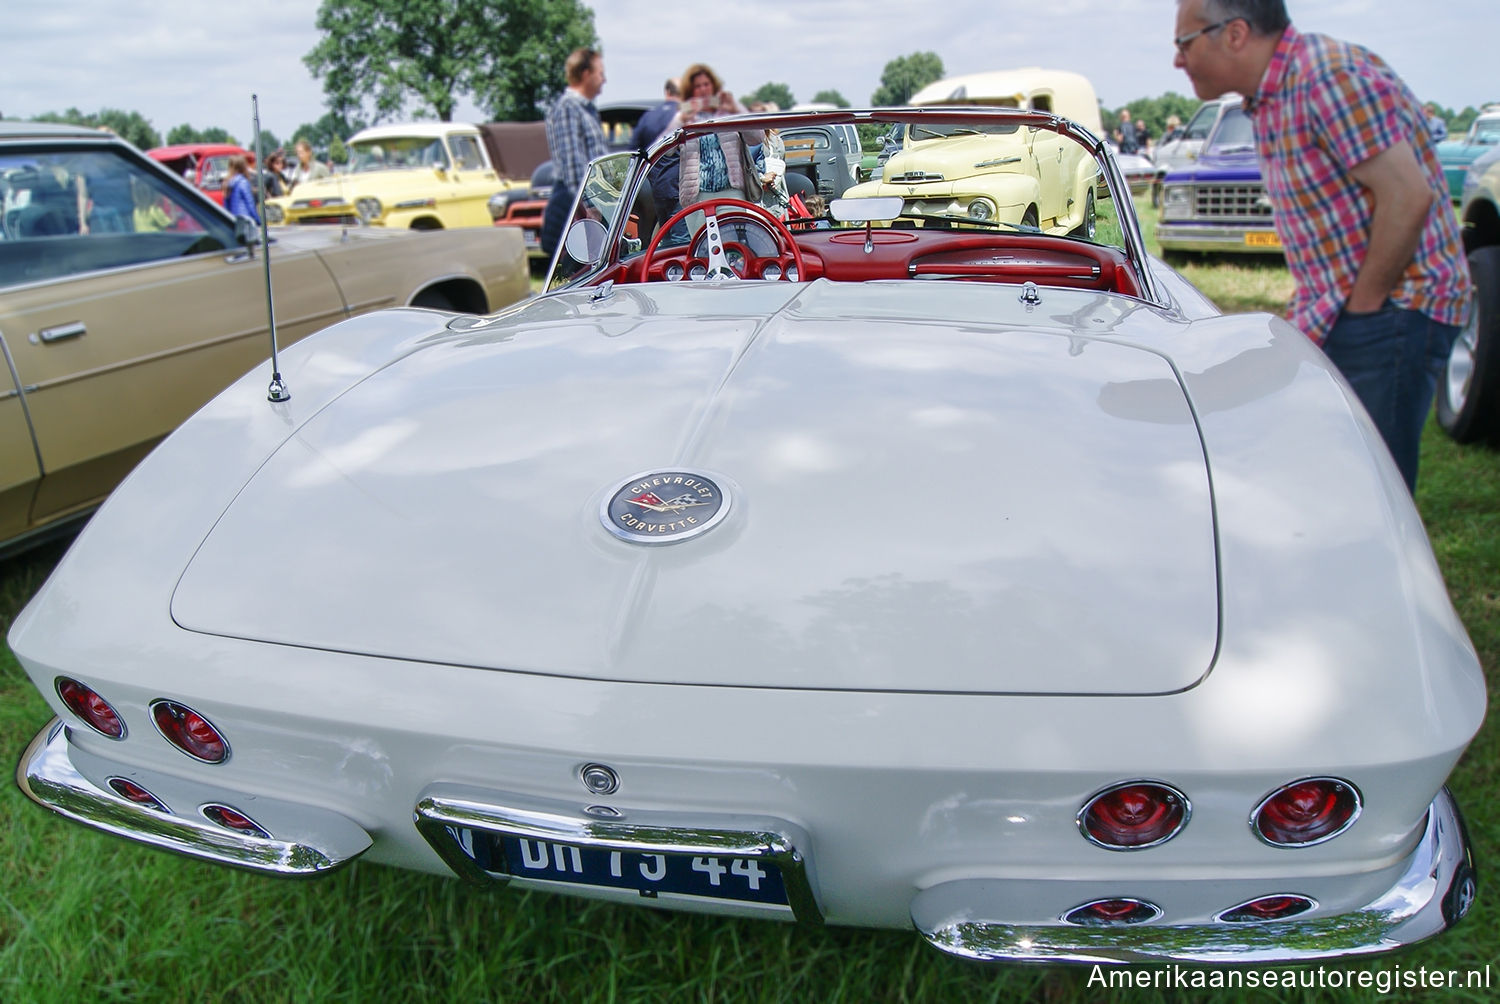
point(1323, 107)
point(574, 137)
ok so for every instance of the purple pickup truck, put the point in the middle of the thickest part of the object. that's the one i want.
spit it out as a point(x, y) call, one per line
point(1216, 201)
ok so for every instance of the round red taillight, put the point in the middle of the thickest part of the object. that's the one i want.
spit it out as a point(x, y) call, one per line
point(1134, 815)
point(1268, 908)
point(95, 711)
point(1110, 912)
point(189, 731)
point(128, 789)
point(235, 820)
point(1306, 812)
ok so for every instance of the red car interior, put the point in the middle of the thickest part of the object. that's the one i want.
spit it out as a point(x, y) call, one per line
point(857, 255)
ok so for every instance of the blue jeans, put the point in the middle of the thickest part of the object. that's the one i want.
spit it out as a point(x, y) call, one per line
point(1393, 358)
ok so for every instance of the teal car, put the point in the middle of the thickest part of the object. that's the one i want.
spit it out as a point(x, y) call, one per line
point(1457, 154)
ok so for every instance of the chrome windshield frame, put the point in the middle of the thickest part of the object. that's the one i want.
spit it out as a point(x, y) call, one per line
point(1114, 178)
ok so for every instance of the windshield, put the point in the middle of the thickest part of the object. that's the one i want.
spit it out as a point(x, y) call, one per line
point(978, 171)
point(1235, 134)
point(397, 153)
point(1487, 131)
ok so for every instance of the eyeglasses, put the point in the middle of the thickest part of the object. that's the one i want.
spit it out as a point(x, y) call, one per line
point(1183, 41)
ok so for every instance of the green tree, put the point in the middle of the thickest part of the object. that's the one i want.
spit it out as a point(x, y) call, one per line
point(779, 93)
point(905, 76)
point(268, 142)
point(830, 98)
point(526, 44)
point(507, 54)
point(322, 134)
point(129, 126)
point(185, 133)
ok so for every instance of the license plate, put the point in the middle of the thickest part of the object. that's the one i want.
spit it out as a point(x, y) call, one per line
point(741, 879)
point(1263, 239)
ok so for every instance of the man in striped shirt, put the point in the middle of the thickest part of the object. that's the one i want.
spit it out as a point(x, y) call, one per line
point(574, 137)
point(1359, 199)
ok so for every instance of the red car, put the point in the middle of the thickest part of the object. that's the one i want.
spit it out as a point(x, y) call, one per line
point(205, 165)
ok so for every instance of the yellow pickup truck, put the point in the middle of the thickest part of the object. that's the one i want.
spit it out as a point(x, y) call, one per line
point(1023, 176)
point(418, 176)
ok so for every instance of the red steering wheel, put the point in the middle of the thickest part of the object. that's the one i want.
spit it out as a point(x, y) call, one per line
point(718, 261)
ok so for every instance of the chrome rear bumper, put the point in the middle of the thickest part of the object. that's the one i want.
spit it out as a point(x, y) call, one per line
point(1434, 891)
point(304, 841)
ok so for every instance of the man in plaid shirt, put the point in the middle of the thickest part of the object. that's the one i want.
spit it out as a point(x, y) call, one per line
point(574, 137)
point(1359, 199)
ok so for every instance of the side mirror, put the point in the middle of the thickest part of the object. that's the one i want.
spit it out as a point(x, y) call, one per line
point(441, 172)
point(585, 241)
point(246, 231)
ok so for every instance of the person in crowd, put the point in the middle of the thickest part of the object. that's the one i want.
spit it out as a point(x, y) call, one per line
point(664, 173)
point(654, 122)
point(1173, 129)
point(712, 165)
point(1359, 202)
point(1436, 124)
point(1126, 136)
point(307, 168)
point(239, 192)
point(276, 174)
point(770, 160)
point(574, 137)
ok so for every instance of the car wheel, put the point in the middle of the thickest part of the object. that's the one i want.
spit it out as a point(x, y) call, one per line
point(1089, 228)
point(1031, 219)
point(1468, 391)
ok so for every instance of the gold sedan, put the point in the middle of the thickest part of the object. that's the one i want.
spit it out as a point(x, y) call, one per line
point(127, 300)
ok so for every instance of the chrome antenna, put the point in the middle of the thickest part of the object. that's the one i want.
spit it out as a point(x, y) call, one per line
point(277, 391)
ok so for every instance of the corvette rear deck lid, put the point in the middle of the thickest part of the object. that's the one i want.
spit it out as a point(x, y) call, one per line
point(916, 507)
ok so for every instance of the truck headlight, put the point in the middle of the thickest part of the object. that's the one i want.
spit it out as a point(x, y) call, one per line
point(499, 204)
point(1177, 202)
point(981, 209)
point(369, 209)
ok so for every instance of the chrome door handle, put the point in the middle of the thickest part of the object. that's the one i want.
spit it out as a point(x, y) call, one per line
point(58, 332)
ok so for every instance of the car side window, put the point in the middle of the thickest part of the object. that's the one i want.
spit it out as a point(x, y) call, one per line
point(214, 173)
point(1201, 123)
point(67, 212)
point(466, 153)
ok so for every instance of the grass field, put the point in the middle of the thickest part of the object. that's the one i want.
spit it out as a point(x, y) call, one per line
point(85, 917)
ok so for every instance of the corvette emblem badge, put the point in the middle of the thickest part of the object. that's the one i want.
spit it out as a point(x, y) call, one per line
point(665, 506)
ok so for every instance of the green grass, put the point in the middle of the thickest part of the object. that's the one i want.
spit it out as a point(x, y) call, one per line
point(86, 917)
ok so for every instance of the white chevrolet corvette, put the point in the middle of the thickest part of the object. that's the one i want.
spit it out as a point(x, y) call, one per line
point(860, 568)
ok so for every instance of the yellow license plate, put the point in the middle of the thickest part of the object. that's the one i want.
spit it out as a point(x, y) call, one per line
point(1268, 239)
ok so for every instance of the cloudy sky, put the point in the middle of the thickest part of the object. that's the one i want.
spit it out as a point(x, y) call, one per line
point(189, 61)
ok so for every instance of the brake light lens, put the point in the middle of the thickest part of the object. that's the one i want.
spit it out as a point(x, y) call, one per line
point(1134, 815)
point(129, 790)
point(189, 731)
point(1113, 912)
point(1306, 812)
point(1267, 908)
point(95, 711)
point(233, 819)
